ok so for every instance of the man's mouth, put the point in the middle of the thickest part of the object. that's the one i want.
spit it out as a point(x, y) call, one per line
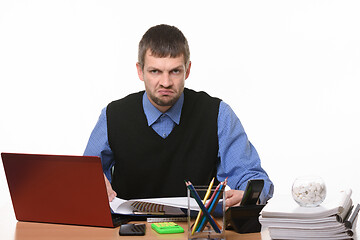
point(165, 92)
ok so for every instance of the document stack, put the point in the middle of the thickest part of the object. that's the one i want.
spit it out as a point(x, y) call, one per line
point(333, 219)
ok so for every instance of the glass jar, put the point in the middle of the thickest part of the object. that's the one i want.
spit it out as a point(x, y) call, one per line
point(309, 191)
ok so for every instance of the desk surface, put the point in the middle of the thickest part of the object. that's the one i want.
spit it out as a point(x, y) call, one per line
point(10, 229)
point(26, 230)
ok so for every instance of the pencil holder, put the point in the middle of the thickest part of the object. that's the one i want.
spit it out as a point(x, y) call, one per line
point(209, 224)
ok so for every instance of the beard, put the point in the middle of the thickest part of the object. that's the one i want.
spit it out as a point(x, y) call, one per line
point(164, 101)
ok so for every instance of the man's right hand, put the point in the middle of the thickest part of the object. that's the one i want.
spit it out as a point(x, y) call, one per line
point(111, 193)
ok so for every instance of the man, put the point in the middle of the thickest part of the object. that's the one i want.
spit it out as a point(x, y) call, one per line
point(155, 139)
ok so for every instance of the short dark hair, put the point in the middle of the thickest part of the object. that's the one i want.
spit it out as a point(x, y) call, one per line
point(164, 40)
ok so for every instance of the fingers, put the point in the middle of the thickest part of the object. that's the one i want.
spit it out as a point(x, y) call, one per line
point(111, 193)
point(233, 197)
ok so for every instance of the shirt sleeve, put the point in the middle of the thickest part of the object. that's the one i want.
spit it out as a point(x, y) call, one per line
point(98, 145)
point(239, 160)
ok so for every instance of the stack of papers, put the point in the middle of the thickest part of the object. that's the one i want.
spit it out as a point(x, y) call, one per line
point(285, 219)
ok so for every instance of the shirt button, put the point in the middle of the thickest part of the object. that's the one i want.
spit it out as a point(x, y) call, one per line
point(164, 135)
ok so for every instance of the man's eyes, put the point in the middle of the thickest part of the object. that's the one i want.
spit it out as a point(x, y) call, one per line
point(175, 71)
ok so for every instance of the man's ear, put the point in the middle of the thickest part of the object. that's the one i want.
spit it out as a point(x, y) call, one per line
point(140, 71)
point(188, 70)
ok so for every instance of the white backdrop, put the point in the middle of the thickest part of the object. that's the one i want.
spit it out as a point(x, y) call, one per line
point(289, 69)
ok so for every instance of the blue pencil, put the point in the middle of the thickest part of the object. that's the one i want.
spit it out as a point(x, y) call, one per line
point(213, 204)
point(201, 205)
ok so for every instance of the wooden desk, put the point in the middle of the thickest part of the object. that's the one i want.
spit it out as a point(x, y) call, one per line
point(10, 229)
point(42, 231)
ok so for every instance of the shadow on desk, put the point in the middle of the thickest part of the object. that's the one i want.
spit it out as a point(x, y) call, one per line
point(48, 231)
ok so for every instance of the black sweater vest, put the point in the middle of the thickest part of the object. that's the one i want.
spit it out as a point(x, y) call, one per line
point(146, 165)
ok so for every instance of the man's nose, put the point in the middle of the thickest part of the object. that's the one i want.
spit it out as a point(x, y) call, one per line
point(165, 80)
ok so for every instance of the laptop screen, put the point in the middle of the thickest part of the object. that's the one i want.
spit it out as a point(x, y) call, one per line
point(57, 189)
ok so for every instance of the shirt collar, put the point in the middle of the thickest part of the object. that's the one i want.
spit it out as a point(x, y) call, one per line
point(152, 113)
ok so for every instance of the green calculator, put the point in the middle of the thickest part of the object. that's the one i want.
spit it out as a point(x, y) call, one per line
point(167, 227)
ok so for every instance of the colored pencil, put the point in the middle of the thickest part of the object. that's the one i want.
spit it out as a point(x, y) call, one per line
point(202, 207)
point(209, 203)
point(204, 201)
point(213, 204)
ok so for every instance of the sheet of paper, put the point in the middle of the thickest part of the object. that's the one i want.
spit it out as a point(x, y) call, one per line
point(172, 205)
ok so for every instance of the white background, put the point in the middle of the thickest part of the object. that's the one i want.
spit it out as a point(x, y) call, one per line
point(289, 69)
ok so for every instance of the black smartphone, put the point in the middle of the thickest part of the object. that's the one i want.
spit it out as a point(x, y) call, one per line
point(252, 192)
point(132, 229)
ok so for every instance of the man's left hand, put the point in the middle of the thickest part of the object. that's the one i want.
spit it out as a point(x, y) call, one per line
point(233, 198)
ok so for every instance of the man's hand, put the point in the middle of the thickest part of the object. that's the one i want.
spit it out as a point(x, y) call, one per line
point(111, 193)
point(233, 198)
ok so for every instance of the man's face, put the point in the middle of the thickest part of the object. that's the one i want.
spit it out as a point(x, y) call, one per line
point(164, 79)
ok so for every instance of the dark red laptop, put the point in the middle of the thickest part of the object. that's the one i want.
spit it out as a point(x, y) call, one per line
point(58, 189)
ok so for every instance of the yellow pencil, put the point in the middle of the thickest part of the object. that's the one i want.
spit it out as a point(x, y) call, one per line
point(204, 200)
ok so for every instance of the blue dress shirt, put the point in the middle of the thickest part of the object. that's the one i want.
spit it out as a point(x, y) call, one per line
point(239, 160)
